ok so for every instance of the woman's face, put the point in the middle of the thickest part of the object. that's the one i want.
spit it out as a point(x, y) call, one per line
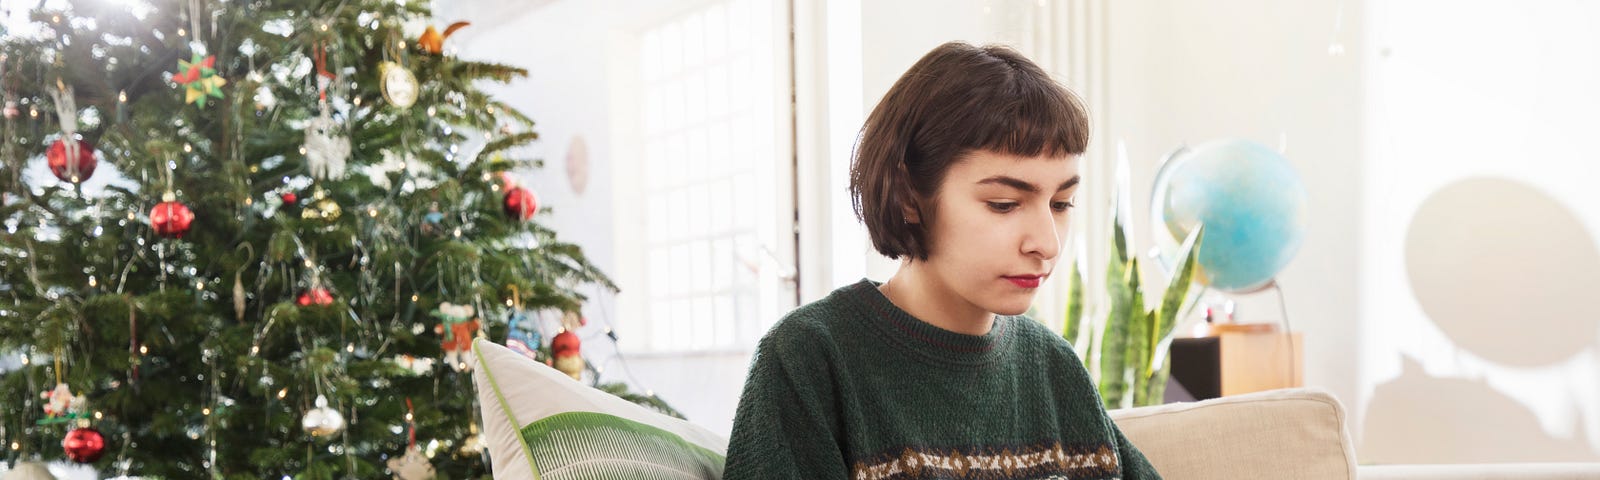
point(998, 226)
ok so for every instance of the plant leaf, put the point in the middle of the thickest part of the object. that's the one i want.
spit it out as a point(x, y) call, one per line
point(1172, 301)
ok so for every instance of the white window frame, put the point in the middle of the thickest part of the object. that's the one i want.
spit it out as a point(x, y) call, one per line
point(769, 255)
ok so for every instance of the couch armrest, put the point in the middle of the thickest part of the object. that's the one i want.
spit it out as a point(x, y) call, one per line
point(1290, 433)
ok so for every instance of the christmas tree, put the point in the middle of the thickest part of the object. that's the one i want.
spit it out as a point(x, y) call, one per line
point(258, 222)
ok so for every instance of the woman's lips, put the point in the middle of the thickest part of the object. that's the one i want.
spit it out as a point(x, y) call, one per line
point(1026, 281)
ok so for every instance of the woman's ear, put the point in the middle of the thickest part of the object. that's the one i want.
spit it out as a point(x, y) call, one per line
point(910, 214)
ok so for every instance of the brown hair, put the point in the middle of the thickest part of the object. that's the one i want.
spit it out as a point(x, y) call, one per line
point(959, 98)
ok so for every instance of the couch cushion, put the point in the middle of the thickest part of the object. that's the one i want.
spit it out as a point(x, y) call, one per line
point(541, 424)
point(1290, 433)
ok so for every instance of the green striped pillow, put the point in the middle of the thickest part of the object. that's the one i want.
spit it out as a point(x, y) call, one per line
point(541, 424)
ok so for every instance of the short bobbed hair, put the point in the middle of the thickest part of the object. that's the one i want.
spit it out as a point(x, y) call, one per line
point(957, 100)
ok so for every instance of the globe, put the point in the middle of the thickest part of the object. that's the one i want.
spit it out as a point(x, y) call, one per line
point(1249, 198)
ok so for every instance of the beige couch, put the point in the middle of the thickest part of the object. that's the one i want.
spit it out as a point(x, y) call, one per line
point(1288, 434)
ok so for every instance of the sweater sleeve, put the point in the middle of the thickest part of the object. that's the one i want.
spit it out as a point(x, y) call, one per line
point(1134, 465)
point(787, 423)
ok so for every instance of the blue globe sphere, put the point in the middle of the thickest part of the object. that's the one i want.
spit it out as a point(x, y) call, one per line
point(1251, 202)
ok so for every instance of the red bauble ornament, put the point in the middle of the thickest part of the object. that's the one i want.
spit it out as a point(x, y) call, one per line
point(520, 203)
point(289, 198)
point(74, 166)
point(84, 445)
point(564, 343)
point(171, 218)
point(314, 296)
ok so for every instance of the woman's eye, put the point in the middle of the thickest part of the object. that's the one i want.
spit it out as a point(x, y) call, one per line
point(1061, 206)
point(1002, 207)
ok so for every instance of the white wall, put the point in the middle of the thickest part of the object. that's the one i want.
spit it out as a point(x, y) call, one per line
point(1441, 285)
point(1480, 260)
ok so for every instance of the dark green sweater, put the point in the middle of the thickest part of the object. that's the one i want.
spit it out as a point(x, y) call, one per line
point(853, 387)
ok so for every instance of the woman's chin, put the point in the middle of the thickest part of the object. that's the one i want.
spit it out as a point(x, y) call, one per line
point(1013, 308)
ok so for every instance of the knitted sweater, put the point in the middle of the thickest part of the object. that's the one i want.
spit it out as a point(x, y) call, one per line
point(853, 387)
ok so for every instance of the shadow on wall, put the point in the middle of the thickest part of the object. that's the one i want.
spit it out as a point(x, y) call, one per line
point(1508, 274)
point(1451, 420)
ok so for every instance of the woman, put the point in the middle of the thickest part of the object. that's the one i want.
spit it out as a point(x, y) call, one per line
point(965, 171)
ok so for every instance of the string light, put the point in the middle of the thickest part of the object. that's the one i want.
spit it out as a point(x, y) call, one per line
point(187, 148)
point(122, 96)
point(182, 32)
point(206, 411)
point(144, 349)
point(283, 393)
point(92, 282)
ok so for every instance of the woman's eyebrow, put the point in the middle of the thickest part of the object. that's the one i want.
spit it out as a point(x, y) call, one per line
point(1019, 184)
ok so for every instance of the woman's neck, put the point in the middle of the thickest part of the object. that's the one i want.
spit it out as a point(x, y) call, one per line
point(917, 291)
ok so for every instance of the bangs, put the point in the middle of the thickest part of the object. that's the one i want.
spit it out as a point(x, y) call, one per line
point(1026, 116)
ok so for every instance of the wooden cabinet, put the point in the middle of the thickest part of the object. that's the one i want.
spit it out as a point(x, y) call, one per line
point(1235, 359)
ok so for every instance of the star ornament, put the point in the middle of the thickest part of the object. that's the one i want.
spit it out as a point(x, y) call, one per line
point(199, 78)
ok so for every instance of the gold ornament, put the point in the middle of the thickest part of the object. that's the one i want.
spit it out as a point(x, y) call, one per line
point(322, 207)
point(471, 445)
point(399, 85)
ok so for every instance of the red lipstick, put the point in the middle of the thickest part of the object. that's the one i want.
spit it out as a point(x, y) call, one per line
point(1026, 281)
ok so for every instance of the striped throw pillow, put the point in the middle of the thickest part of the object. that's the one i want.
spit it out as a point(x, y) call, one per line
point(541, 424)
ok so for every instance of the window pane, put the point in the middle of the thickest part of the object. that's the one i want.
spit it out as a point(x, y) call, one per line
point(704, 324)
point(716, 33)
point(725, 320)
point(681, 330)
point(700, 261)
point(694, 97)
point(694, 46)
point(671, 50)
point(717, 155)
point(660, 272)
point(680, 269)
point(722, 264)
